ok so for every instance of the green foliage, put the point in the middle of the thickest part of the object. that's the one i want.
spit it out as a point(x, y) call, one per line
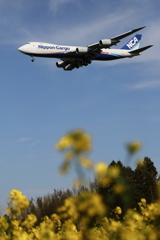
point(138, 183)
point(145, 177)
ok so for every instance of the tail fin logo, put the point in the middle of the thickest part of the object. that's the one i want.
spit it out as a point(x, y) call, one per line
point(132, 42)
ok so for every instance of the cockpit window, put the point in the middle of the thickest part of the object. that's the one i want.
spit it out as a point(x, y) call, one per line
point(28, 43)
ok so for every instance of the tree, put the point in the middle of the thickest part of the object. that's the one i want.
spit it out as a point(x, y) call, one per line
point(145, 177)
point(139, 183)
point(120, 191)
point(47, 205)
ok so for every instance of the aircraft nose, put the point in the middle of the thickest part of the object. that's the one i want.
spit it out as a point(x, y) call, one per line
point(20, 49)
point(23, 49)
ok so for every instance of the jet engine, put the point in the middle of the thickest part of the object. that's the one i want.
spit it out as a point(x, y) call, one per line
point(81, 50)
point(105, 43)
point(61, 64)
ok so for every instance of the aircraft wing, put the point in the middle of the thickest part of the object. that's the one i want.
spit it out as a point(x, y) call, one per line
point(119, 37)
point(113, 40)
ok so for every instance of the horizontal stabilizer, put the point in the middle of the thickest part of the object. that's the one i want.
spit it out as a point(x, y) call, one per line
point(141, 49)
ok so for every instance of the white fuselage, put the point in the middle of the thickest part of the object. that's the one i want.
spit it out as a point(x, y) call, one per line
point(39, 49)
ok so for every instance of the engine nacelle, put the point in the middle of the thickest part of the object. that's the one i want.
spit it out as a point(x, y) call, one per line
point(69, 67)
point(105, 43)
point(60, 64)
point(81, 50)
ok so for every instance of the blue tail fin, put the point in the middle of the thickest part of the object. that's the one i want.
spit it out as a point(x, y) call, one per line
point(134, 43)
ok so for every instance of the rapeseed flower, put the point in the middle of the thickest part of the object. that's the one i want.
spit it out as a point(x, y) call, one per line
point(29, 221)
point(85, 162)
point(133, 147)
point(83, 217)
point(77, 140)
point(101, 170)
point(17, 202)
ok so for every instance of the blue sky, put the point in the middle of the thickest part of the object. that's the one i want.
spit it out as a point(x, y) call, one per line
point(115, 102)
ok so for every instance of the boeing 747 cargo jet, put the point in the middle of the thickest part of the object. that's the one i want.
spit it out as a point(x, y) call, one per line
point(74, 57)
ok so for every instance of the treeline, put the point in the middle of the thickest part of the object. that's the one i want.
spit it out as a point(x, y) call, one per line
point(133, 186)
point(125, 192)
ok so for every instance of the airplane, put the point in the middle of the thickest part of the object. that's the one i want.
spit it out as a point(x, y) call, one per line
point(74, 57)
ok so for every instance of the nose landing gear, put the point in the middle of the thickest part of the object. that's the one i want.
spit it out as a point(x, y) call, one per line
point(32, 60)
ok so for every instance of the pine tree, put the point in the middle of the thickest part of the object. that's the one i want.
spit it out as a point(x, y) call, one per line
point(145, 177)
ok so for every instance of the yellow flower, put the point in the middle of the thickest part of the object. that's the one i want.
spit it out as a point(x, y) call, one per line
point(133, 147)
point(78, 140)
point(68, 210)
point(119, 188)
point(18, 201)
point(82, 141)
point(65, 142)
point(101, 170)
point(85, 162)
point(69, 226)
point(143, 201)
point(140, 162)
point(77, 183)
point(29, 221)
point(91, 204)
point(118, 210)
point(106, 174)
point(114, 226)
point(56, 220)
point(64, 168)
point(113, 172)
point(4, 223)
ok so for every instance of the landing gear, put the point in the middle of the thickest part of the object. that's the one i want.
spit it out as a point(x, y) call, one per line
point(32, 60)
point(86, 62)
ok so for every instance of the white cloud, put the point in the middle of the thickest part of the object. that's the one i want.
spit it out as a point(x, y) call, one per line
point(24, 139)
point(145, 85)
point(55, 4)
point(38, 141)
point(87, 32)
